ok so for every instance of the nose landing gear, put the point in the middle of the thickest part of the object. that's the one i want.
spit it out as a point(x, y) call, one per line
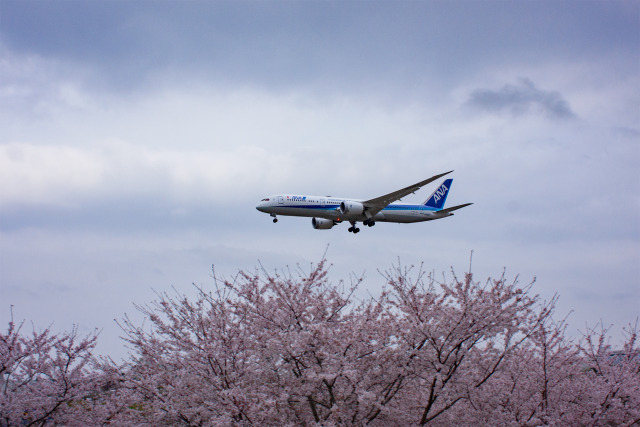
point(274, 218)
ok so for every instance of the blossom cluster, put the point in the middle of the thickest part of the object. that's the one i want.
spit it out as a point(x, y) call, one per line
point(296, 349)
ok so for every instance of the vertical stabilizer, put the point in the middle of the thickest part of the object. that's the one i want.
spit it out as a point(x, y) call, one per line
point(437, 199)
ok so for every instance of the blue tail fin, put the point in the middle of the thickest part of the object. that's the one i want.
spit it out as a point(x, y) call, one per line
point(437, 199)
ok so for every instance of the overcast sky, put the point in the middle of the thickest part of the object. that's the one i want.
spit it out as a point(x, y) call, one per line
point(136, 139)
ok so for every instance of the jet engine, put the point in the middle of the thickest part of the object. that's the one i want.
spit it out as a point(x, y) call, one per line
point(351, 209)
point(321, 224)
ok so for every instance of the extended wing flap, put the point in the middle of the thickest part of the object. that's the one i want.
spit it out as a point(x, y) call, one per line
point(379, 203)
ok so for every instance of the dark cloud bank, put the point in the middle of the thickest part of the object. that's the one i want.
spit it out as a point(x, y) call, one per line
point(522, 98)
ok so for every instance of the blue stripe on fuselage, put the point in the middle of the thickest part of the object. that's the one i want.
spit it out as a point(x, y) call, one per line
point(409, 208)
point(387, 208)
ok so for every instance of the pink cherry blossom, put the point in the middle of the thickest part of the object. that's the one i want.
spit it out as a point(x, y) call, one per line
point(293, 348)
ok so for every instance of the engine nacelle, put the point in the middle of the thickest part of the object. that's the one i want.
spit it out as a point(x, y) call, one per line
point(350, 209)
point(322, 224)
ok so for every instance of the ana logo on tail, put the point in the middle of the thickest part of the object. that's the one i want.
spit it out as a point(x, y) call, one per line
point(440, 192)
point(439, 197)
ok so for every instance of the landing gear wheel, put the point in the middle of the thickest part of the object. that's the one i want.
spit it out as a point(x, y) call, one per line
point(275, 220)
point(350, 230)
point(356, 230)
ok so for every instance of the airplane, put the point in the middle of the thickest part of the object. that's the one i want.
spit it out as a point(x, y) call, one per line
point(325, 212)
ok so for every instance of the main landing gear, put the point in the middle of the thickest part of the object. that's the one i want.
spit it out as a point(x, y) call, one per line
point(353, 229)
point(274, 218)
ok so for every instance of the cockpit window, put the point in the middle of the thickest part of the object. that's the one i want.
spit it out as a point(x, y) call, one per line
point(265, 200)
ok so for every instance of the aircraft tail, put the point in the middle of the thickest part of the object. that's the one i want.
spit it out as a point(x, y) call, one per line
point(437, 199)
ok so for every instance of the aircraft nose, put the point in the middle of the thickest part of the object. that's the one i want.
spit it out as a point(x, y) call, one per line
point(260, 207)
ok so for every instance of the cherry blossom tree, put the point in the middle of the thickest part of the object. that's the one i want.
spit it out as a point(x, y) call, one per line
point(454, 337)
point(263, 350)
point(43, 375)
point(296, 349)
point(612, 379)
point(293, 348)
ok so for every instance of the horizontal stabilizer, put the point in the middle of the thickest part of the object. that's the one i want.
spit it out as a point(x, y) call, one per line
point(454, 208)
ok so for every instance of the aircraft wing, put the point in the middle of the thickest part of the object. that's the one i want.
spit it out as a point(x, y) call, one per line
point(373, 206)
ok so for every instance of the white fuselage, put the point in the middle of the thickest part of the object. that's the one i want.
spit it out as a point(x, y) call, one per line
point(329, 208)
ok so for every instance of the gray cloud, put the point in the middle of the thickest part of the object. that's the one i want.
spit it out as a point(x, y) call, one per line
point(402, 46)
point(522, 98)
point(627, 132)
